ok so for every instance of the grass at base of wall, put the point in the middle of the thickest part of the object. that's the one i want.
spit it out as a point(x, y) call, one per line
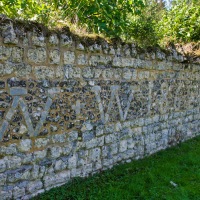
point(173, 174)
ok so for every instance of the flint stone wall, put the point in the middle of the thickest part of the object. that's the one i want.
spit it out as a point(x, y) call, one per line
point(71, 107)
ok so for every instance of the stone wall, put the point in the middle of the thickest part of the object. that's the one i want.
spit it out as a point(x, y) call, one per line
point(73, 106)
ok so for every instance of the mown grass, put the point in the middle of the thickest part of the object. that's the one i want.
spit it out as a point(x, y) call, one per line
point(148, 178)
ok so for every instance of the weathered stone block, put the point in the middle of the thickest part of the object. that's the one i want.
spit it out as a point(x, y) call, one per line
point(66, 40)
point(96, 60)
point(117, 62)
point(2, 165)
point(100, 141)
point(27, 158)
point(53, 39)
point(25, 145)
point(59, 72)
point(55, 179)
point(18, 192)
point(34, 186)
point(3, 178)
point(72, 161)
point(72, 136)
point(67, 149)
point(8, 150)
point(38, 40)
point(99, 130)
point(76, 72)
point(38, 155)
point(9, 34)
point(55, 151)
point(160, 55)
point(60, 165)
point(143, 75)
point(95, 48)
point(91, 143)
point(123, 146)
point(43, 72)
point(94, 154)
point(41, 142)
point(37, 55)
point(23, 173)
point(111, 50)
point(127, 74)
point(17, 91)
point(87, 169)
point(12, 162)
point(54, 56)
point(5, 195)
point(88, 135)
point(88, 72)
point(6, 69)
point(107, 74)
point(87, 126)
point(5, 52)
point(127, 62)
point(59, 138)
point(114, 148)
point(37, 172)
point(23, 70)
point(80, 47)
point(82, 59)
point(111, 138)
point(17, 54)
point(97, 73)
point(69, 57)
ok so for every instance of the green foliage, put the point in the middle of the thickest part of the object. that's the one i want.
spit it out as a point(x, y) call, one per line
point(34, 10)
point(145, 21)
point(143, 27)
point(103, 16)
point(143, 179)
point(182, 22)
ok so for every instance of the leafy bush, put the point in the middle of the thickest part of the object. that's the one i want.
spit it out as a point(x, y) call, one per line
point(182, 22)
point(145, 21)
point(103, 16)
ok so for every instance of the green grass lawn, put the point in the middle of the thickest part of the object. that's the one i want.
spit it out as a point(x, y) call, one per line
point(148, 178)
